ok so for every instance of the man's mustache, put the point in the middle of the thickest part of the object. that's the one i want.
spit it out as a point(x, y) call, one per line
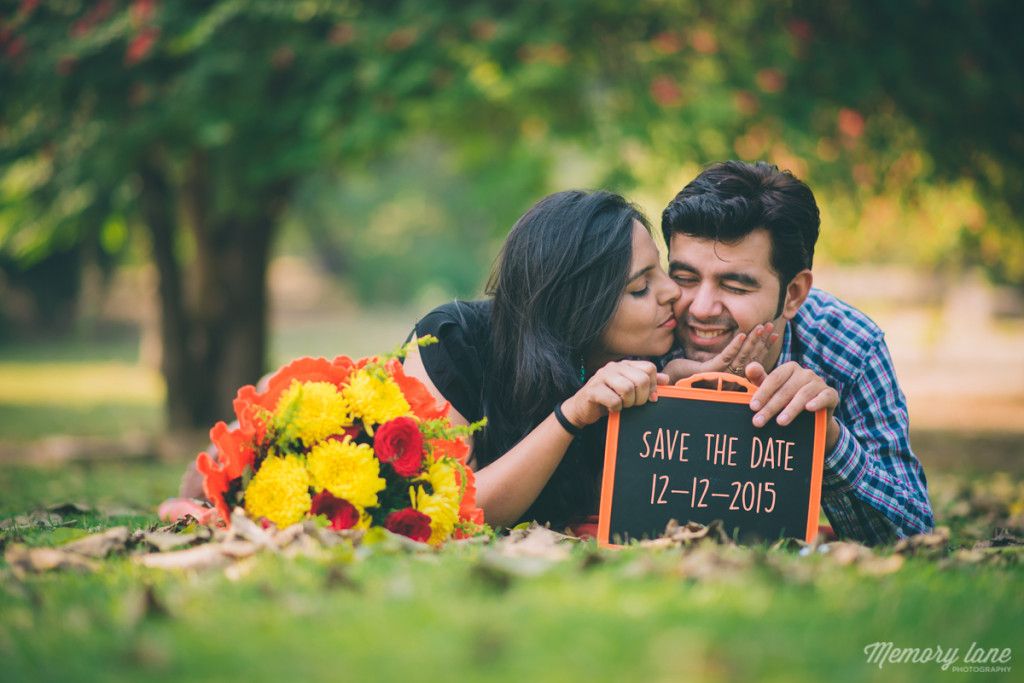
point(712, 322)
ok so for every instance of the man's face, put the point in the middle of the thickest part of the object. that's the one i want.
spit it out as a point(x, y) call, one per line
point(726, 289)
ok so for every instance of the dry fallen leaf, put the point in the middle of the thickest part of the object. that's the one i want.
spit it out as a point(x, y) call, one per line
point(100, 545)
point(677, 535)
point(36, 518)
point(200, 557)
point(163, 541)
point(1000, 539)
point(935, 543)
point(536, 541)
point(845, 553)
point(24, 560)
point(244, 528)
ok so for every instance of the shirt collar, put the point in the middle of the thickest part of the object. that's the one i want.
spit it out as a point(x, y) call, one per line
point(786, 353)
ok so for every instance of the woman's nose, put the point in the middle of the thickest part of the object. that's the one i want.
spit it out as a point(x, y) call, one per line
point(669, 292)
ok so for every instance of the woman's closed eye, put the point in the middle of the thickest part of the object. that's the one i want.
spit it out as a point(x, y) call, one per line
point(640, 293)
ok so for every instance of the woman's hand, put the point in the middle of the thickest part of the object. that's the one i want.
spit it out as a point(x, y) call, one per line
point(617, 385)
point(734, 358)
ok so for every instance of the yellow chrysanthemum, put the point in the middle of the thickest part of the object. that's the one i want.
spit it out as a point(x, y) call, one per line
point(442, 506)
point(348, 470)
point(376, 400)
point(315, 410)
point(279, 491)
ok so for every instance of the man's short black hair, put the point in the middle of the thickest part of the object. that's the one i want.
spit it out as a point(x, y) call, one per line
point(730, 199)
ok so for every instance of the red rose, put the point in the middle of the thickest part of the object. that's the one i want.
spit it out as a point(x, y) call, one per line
point(343, 514)
point(400, 443)
point(409, 522)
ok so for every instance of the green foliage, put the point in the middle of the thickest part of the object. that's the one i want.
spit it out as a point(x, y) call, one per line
point(868, 100)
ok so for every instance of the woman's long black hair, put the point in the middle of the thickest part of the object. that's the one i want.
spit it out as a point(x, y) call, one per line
point(556, 285)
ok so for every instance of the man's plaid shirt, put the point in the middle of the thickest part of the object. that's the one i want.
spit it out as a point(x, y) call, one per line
point(873, 488)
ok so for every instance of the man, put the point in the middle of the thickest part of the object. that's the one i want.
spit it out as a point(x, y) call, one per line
point(741, 242)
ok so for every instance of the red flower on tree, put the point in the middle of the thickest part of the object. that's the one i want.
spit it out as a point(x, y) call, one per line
point(409, 522)
point(343, 514)
point(141, 45)
point(400, 443)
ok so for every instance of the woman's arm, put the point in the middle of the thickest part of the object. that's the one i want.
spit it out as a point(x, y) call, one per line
point(507, 487)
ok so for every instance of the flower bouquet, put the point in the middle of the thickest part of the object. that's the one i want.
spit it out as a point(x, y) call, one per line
point(356, 444)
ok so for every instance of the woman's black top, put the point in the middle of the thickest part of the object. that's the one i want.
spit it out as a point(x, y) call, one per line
point(458, 367)
point(456, 364)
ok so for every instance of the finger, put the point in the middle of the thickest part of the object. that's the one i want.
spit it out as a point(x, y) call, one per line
point(799, 402)
point(645, 382)
point(606, 398)
point(755, 373)
point(644, 365)
point(652, 379)
point(778, 390)
point(750, 349)
point(623, 387)
point(760, 347)
point(731, 351)
point(772, 383)
point(827, 398)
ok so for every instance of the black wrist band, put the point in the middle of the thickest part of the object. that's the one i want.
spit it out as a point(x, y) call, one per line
point(564, 421)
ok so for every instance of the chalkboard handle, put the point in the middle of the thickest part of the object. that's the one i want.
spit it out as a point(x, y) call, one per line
point(717, 378)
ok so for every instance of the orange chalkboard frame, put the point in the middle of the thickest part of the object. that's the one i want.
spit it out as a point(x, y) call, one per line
point(686, 389)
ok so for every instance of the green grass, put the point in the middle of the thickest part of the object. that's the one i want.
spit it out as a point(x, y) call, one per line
point(598, 616)
point(399, 618)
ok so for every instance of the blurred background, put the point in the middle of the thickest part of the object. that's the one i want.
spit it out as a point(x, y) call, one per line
point(194, 193)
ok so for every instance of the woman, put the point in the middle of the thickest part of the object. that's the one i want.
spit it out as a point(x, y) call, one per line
point(578, 292)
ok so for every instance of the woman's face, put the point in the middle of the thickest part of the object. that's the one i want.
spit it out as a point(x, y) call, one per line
point(643, 323)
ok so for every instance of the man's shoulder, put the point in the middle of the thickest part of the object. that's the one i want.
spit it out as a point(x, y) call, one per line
point(825, 315)
point(833, 335)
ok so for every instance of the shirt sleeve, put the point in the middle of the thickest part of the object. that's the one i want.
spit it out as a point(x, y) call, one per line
point(873, 487)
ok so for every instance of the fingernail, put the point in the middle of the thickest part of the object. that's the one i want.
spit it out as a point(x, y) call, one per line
point(654, 397)
point(758, 420)
point(783, 418)
point(755, 405)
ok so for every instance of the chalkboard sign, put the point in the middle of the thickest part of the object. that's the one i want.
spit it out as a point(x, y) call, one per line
point(695, 455)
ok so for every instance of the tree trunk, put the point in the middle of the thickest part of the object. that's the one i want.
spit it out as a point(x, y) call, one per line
point(213, 323)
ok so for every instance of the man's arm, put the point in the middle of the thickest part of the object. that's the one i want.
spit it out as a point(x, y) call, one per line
point(874, 489)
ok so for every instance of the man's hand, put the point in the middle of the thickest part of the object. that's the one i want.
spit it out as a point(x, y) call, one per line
point(742, 350)
point(788, 390)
